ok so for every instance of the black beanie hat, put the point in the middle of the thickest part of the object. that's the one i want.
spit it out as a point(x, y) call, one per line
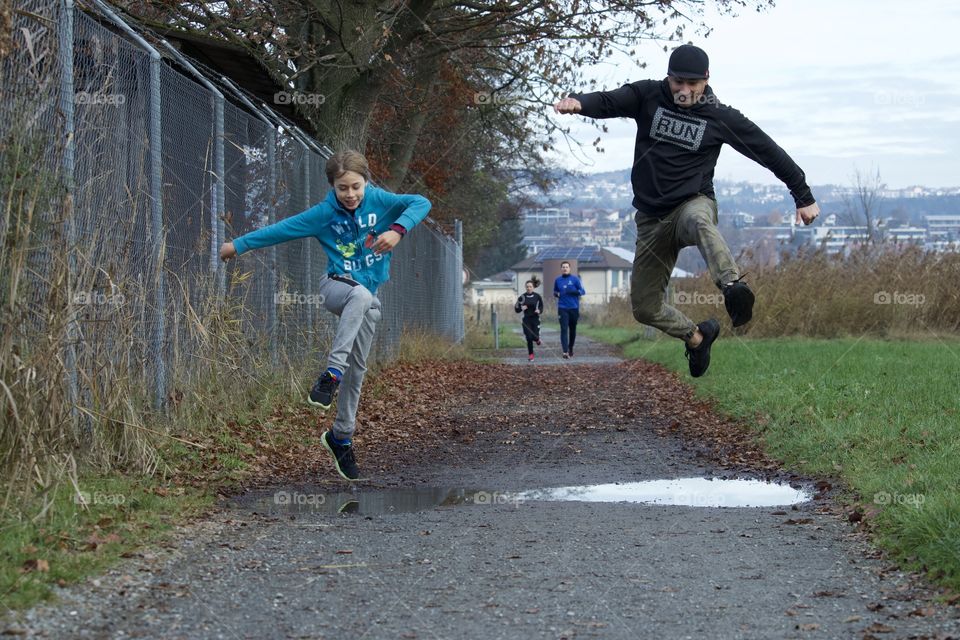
point(689, 62)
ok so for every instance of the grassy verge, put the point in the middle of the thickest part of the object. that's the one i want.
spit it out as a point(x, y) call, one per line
point(881, 415)
point(227, 437)
point(481, 337)
point(73, 542)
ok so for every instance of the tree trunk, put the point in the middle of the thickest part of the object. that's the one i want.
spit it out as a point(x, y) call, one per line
point(401, 151)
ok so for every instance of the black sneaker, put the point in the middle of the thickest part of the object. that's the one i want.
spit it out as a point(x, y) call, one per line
point(738, 299)
point(342, 457)
point(699, 358)
point(323, 391)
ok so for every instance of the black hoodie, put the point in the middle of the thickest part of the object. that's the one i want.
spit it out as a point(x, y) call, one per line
point(677, 149)
point(534, 303)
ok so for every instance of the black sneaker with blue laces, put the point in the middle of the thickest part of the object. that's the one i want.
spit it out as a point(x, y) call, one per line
point(699, 357)
point(321, 395)
point(343, 458)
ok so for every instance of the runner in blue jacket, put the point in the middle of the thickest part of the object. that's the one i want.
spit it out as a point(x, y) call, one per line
point(567, 288)
point(357, 225)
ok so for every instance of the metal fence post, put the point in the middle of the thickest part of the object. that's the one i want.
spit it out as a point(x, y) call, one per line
point(272, 217)
point(217, 193)
point(272, 267)
point(308, 267)
point(218, 190)
point(460, 330)
point(157, 238)
point(67, 97)
point(156, 218)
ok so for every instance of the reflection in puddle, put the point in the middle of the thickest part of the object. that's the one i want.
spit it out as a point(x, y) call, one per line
point(691, 492)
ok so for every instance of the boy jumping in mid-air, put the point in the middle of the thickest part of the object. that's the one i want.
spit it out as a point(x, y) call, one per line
point(357, 225)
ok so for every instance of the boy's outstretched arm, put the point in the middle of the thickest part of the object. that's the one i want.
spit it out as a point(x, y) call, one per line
point(301, 225)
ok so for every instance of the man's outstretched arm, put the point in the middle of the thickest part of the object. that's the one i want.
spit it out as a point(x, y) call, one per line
point(747, 138)
point(619, 103)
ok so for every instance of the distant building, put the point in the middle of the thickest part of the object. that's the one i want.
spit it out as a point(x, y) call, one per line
point(915, 235)
point(833, 239)
point(548, 215)
point(742, 219)
point(498, 289)
point(942, 228)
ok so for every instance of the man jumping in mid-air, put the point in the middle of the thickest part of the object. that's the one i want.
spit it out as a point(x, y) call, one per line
point(680, 128)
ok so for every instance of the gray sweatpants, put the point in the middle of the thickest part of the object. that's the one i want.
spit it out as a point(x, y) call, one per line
point(359, 312)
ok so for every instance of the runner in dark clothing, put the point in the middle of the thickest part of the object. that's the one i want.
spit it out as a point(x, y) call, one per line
point(531, 305)
point(681, 126)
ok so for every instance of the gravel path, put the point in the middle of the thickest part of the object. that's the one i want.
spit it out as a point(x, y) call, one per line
point(511, 570)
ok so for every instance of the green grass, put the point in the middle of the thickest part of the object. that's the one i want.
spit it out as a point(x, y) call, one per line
point(482, 337)
point(884, 416)
point(71, 542)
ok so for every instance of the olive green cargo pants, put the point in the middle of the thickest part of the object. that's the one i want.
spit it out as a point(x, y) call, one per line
point(659, 241)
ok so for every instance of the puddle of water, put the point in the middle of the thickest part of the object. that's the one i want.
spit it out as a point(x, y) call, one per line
point(377, 501)
point(690, 492)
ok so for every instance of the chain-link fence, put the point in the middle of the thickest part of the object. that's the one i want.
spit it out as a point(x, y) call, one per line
point(150, 164)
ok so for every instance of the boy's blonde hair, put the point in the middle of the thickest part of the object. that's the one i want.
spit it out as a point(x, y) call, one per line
point(349, 160)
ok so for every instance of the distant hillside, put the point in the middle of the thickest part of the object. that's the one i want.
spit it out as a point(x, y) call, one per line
point(612, 190)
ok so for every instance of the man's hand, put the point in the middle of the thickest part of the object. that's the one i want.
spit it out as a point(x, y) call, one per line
point(227, 251)
point(567, 105)
point(385, 241)
point(524, 307)
point(808, 214)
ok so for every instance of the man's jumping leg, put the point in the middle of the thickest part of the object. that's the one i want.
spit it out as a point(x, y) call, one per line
point(653, 263)
point(697, 226)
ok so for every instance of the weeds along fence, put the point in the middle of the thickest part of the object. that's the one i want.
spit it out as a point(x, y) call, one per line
point(123, 170)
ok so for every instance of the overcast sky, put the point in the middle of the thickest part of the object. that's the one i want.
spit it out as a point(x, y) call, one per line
point(839, 85)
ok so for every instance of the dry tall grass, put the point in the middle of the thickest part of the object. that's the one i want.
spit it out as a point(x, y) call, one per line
point(885, 291)
point(78, 358)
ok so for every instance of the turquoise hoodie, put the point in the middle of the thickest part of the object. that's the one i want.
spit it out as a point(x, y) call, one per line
point(342, 233)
